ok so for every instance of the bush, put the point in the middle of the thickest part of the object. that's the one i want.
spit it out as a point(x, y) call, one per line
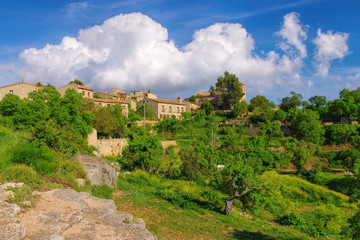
point(103, 191)
point(41, 159)
point(22, 173)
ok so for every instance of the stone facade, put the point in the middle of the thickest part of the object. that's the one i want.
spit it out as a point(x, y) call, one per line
point(165, 108)
point(190, 106)
point(205, 96)
point(138, 96)
point(20, 89)
point(107, 102)
point(85, 91)
point(107, 146)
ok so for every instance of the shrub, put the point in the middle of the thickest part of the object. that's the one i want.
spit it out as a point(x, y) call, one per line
point(41, 159)
point(22, 173)
point(103, 191)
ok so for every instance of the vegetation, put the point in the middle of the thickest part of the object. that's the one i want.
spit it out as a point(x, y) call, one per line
point(225, 165)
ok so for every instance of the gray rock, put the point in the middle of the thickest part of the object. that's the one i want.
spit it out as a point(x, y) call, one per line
point(65, 214)
point(98, 170)
point(12, 231)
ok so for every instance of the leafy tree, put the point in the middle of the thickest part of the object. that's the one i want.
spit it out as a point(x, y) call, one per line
point(149, 113)
point(239, 175)
point(317, 102)
point(169, 126)
point(227, 90)
point(306, 125)
point(239, 108)
point(271, 129)
point(10, 104)
point(260, 102)
point(207, 107)
point(294, 101)
point(355, 226)
point(192, 99)
point(338, 134)
point(78, 82)
point(280, 115)
point(144, 152)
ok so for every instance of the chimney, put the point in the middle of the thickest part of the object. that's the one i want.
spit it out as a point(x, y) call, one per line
point(179, 99)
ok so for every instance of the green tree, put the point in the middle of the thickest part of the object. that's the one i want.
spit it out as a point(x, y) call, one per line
point(169, 126)
point(280, 115)
point(260, 102)
point(207, 107)
point(239, 108)
point(227, 90)
point(192, 99)
point(294, 101)
point(306, 125)
point(10, 104)
point(149, 113)
point(78, 82)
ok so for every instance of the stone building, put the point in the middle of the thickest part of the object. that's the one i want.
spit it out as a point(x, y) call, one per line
point(85, 91)
point(107, 102)
point(138, 96)
point(206, 96)
point(165, 108)
point(20, 89)
point(190, 106)
point(118, 95)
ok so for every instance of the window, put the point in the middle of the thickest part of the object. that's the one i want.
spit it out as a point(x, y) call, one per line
point(88, 94)
point(163, 108)
point(11, 91)
point(182, 109)
point(83, 93)
point(178, 109)
point(169, 108)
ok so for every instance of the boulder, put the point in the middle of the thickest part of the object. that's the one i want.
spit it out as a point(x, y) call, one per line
point(99, 171)
point(66, 214)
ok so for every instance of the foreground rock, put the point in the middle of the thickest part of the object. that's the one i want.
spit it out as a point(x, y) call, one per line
point(66, 214)
point(10, 226)
point(99, 171)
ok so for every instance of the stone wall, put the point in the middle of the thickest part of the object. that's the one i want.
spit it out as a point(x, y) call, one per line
point(111, 146)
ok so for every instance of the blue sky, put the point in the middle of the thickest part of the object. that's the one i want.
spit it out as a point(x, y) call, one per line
point(175, 48)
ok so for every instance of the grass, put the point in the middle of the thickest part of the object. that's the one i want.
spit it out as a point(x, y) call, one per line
point(168, 221)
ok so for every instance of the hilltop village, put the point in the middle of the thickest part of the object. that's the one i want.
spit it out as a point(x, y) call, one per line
point(162, 108)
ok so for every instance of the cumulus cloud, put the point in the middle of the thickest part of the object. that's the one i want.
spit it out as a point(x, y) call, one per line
point(132, 51)
point(294, 35)
point(329, 46)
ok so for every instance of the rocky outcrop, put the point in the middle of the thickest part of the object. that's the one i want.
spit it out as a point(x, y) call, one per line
point(99, 171)
point(10, 226)
point(65, 214)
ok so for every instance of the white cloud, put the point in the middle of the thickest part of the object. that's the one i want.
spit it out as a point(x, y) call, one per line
point(132, 51)
point(294, 34)
point(74, 8)
point(329, 46)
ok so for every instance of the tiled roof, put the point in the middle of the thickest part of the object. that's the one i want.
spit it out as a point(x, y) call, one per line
point(30, 84)
point(204, 94)
point(165, 101)
point(106, 100)
point(84, 87)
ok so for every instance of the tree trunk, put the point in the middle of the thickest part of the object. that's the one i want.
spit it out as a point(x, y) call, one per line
point(228, 205)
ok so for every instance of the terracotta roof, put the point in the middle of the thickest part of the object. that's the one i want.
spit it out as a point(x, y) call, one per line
point(30, 84)
point(84, 87)
point(106, 100)
point(204, 94)
point(165, 101)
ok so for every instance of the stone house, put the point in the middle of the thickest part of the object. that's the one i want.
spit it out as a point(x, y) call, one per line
point(20, 89)
point(85, 91)
point(165, 108)
point(107, 102)
point(138, 96)
point(190, 106)
point(206, 96)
